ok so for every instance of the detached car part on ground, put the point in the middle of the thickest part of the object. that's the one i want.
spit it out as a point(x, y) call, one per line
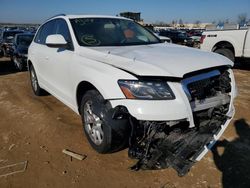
point(167, 102)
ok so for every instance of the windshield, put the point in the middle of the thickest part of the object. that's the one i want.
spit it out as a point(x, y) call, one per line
point(24, 40)
point(110, 32)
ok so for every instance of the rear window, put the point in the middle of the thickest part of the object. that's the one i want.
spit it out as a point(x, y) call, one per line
point(24, 40)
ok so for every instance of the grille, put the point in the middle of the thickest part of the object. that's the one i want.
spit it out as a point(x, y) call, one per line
point(207, 85)
point(203, 88)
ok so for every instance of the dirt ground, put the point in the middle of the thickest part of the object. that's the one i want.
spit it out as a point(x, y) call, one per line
point(37, 129)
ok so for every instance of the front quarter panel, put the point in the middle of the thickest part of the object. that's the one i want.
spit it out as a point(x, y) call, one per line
point(102, 76)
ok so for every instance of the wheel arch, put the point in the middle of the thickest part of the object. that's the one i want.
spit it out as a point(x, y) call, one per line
point(224, 44)
point(29, 63)
point(81, 89)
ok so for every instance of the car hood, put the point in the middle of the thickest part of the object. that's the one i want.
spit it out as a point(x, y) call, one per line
point(162, 59)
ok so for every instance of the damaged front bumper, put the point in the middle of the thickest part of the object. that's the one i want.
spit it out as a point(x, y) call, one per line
point(160, 146)
point(177, 133)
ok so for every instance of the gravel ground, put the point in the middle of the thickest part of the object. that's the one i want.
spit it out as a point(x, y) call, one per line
point(37, 129)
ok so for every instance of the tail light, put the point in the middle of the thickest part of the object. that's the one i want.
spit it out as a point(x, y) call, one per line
point(202, 38)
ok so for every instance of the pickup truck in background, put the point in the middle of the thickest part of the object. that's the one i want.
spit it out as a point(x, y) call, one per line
point(230, 43)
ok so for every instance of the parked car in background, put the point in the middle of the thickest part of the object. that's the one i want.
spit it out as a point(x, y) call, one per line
point(194, 32)
point(196, 37)
point(233, 43)
point(169, 103)
point(6, 41)
point(19, 50)
point(9, 28)
point(1, 52)
point(177, 37)
point(165, 39)
point(162, 38)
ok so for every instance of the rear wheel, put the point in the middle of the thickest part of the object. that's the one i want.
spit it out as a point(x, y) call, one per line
point(4, 52)
point(104, 134)
point(1, 52)
point(38, 91)
point(226, 52)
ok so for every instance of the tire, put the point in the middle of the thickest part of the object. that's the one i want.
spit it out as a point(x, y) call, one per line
point(104, 134)
point(4, 53)
point(226, 52)
point(1, 52)
point(38, 91)
point(18, 65)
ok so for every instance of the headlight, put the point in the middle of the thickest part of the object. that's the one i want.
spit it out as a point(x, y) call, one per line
point(149, 90)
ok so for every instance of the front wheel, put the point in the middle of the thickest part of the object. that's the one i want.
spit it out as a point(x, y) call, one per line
point(104, 134)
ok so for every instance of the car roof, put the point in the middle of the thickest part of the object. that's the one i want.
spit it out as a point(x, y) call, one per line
point(87, 16)
point(95, 16)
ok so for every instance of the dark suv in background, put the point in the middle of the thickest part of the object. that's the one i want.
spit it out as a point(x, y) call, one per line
point(178, 37)
point(19, 51)
point(6, 41)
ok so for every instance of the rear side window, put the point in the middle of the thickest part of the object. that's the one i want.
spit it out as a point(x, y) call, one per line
point(46, 29)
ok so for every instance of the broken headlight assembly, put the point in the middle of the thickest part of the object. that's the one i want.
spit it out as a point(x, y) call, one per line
point(147, 90)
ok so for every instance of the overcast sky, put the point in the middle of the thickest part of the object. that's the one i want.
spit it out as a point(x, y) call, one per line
point(33, 11)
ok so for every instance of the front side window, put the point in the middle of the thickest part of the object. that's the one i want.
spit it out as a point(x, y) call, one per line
point(46, 29)
point(62, 29)
point(111, 32)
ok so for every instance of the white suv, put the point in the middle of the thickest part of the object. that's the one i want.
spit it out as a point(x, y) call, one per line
point(167, 103)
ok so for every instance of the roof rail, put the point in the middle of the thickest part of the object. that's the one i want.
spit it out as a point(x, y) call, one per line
point(56, 16)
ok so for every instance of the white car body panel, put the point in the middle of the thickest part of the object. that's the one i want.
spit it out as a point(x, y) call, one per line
point(158, 59)
point(160, 110)
point(246, 52)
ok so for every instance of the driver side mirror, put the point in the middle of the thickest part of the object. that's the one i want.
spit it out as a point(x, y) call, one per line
point(56, 41)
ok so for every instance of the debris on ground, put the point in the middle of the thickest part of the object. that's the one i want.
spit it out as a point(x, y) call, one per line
point(11, 146)
point(13, 168)
point(74, 155)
